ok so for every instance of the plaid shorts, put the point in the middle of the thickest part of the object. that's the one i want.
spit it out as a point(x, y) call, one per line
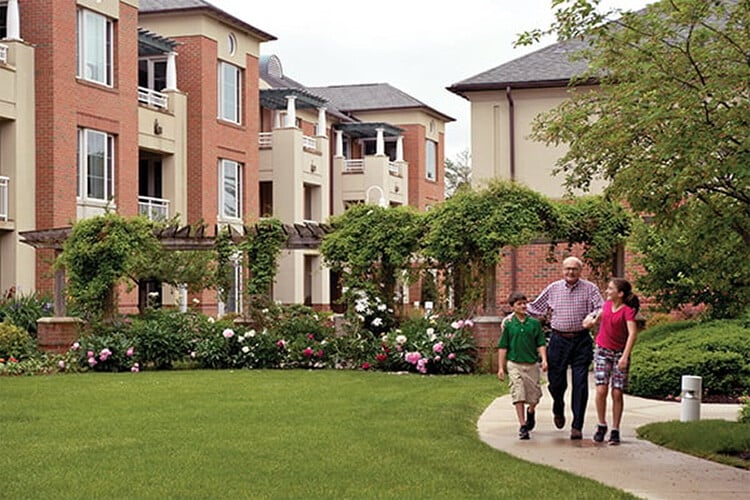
point(605, 367)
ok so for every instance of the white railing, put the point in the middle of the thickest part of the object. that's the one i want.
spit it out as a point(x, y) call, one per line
point(152, 97)
point(4, 54)
point(265, 139)
point(309, 142)
point(394, 168)
point(354, 165)
point(156, 209)
point(4, 198)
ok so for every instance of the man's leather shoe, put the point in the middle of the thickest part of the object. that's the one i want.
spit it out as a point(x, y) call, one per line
point(575, 434)
point(559, 421)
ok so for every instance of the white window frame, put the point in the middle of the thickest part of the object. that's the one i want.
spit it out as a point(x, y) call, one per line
point(430, 168)
point(86, 140)
point(230, 98)
point(90, 58)
point(224, 214)
point(151, 62)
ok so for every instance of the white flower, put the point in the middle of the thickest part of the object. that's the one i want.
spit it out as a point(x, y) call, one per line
point(264, 311)
point(153, 294)
point(228, 333)
point(251, 333)
point(382, 307)
point(245, 349)
point(377, 322)
point(196, 301)
point(430, 331)
point(211, 319)
point(401, 339)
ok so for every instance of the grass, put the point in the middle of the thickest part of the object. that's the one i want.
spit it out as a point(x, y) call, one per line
point(716, 440)
point(261, 434)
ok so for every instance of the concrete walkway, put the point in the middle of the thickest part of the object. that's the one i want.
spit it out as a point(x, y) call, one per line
point(636, 466)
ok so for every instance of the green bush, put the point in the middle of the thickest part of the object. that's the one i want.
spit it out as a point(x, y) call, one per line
point(107, 349)
point(162, 337)
point(744, 417)
point(15, 342)
point(24, 310)
point(718, 351)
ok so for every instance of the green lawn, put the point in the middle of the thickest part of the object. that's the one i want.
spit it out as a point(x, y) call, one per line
point(716, 440)
point(261, 434)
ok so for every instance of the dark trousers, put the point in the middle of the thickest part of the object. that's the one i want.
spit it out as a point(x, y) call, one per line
point(576, 352)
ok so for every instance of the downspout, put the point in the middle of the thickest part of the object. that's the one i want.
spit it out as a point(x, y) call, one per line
point(512, 150)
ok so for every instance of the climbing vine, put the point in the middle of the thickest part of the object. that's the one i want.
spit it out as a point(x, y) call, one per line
point(262, 248)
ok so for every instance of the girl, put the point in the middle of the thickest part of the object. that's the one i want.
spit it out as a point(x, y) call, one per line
point(614, 343)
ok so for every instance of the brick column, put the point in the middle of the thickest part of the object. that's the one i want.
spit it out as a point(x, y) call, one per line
point(57, 334)
point(486, 336)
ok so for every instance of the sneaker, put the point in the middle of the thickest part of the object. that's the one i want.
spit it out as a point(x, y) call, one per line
point(614, 437)
point(523, 432)
point(559, 421)
point(575, 434)
point(601, 431)
point(530, 420)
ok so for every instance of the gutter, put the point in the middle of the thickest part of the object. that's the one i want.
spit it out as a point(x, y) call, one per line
point(512, 151)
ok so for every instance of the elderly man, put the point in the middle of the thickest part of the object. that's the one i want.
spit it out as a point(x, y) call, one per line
point(569, 301)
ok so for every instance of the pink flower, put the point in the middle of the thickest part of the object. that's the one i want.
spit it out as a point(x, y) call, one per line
point(468, 323)
point(365, 365)
point(75, 346)
point(452, 355)
point(129, 352)
point(381, 357)
point(310, 336)
point(228, 333)
point(438, 358)
point(422, 365)
point(61, 364)
point(412, 357)
point(280, 344)
point(90, 354)
point(458, 324)
point(320, 353)
point(92, 361)
point(135, 368)
point(104, 354)
point(438, 347)
point(307, 352)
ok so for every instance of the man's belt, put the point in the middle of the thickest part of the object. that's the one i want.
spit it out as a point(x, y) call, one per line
point(570, 335)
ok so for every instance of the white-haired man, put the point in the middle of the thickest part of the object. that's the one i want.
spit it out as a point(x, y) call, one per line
point(568, 301)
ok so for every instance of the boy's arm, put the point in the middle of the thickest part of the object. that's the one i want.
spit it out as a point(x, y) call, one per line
point(543, 353)
point(501, 360)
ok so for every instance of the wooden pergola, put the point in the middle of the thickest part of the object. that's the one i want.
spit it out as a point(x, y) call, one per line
point(299, 237)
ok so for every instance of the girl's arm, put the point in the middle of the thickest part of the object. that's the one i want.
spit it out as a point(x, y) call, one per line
point(632, 336)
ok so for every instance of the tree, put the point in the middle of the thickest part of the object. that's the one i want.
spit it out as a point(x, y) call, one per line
point(457, 172)
point(668, 128)
point(371, 245)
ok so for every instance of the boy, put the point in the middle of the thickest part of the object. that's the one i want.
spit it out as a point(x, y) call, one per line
point(521, 344)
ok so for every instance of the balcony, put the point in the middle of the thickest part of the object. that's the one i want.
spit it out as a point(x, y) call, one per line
point(358, 176)
point(4, 198)
point(265, 139)
point(152, 98)
point(156, 209)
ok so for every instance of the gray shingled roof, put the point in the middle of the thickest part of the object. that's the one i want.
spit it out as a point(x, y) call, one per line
point(371, 97)
point(153, 6)
point(549, 66)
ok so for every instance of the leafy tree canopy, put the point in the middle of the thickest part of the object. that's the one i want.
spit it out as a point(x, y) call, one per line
point(667, 127)
point(457, 172)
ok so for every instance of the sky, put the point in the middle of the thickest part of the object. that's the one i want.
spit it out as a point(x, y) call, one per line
point(418, 46)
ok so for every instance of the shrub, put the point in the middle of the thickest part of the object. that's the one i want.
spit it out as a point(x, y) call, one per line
point(40, 364)
point(24, 310)
point(15, 342)
point(161, 337)
point(107, 349)
point(718, 351)
point(744, 416)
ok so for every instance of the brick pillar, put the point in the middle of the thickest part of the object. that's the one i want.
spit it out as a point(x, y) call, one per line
point(486, 336)
point(57, 334)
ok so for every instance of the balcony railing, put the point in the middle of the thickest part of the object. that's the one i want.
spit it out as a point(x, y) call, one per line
point(156, 209)
point(309, 142)
point(4, 198)
point(394, 168)
point(152, 97)
point(4, 54)
point(354, 166)
point(265, 139)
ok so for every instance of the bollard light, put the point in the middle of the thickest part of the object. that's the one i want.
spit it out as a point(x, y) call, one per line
point(690, 398)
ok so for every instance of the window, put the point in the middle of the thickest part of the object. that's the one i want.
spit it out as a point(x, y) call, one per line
point(3, 20)
point(229, 92)
point(230, 189)
point(96, 152)
point(389, 146)
point(152, 73)
point(266, 199)
point(431, 160)
point(95, 33)
point(311, 201)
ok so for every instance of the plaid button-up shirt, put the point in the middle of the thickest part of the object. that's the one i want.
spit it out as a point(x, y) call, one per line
point(568, 304)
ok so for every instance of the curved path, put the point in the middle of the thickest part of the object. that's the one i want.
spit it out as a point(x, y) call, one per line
point(636, 466)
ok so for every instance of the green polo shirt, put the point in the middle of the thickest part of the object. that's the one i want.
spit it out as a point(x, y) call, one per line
point(522, 339)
